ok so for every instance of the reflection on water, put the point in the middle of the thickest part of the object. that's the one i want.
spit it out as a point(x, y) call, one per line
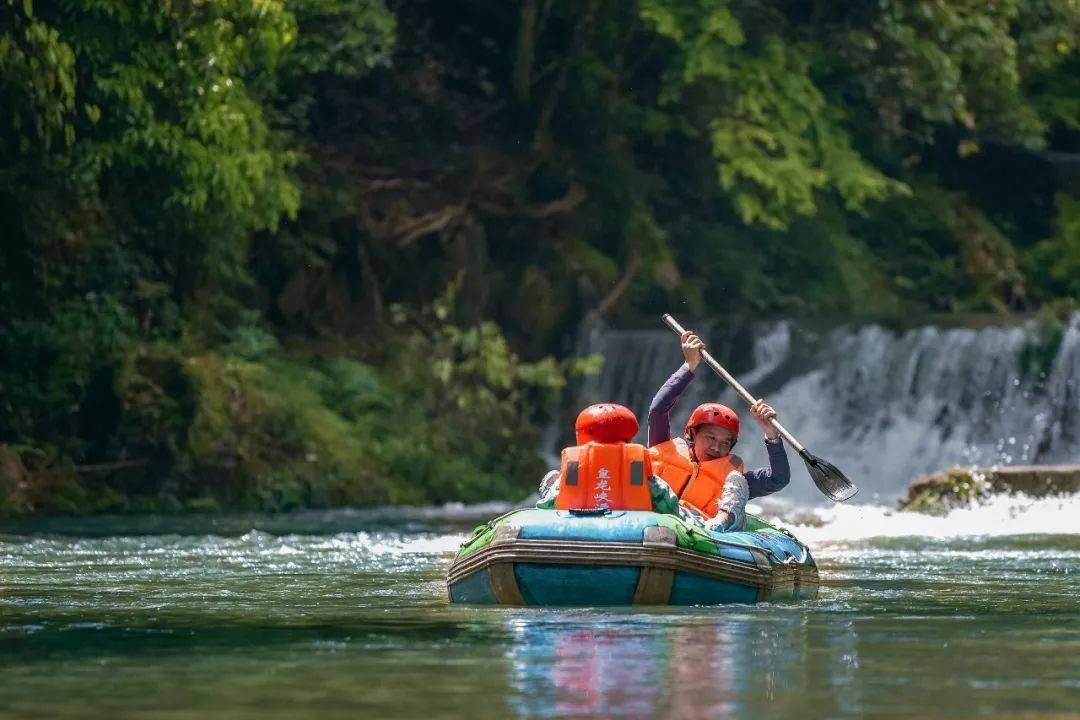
point(355, 622)
point(676, 666)
point(567, 672)
point(573, 671)
point(701, 668)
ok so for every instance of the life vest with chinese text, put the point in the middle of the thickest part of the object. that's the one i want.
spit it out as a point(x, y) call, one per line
point(605, 475)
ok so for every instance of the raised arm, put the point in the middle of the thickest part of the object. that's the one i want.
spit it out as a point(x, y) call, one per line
point(669, 392)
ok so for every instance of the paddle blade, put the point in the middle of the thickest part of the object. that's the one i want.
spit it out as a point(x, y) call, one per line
point(828, 478)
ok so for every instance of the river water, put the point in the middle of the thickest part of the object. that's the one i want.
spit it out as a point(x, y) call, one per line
point(344, 614)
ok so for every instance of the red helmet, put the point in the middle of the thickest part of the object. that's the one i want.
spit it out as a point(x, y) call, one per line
point(605, 423)
point(713, 414)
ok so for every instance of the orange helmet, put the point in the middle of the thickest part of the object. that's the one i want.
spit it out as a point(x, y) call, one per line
point(713, 414)
point(605, 423)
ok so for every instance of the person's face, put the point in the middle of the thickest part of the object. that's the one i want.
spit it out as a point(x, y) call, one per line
point(712, 442)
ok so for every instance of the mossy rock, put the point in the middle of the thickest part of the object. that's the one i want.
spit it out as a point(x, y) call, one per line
point(938, 494)
point(959, 487)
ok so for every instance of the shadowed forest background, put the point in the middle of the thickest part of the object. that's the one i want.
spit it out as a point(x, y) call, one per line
point(269, 255)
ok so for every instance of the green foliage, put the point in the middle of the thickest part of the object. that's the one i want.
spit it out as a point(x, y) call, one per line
point(705, 33)
point(943, 254)
point(449, 420)
point(1055, 261)
point(262, 430)
point(341, 37)
point(925, 63)
point(136, 227)
point(470, 398)
point(182, 91)
point(44, 384)
point(780, 144)
point(37, 83)
point(1056, 93)
point(212, 210)
point(776, 140)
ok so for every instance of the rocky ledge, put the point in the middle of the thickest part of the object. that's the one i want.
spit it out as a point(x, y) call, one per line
point(958, 487)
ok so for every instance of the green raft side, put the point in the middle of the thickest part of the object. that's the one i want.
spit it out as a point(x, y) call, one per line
point(687, 537)
point(482, 534)
point(756, 524)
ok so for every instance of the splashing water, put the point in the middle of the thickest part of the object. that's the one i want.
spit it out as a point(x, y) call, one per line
point(1001, 516)
point(886, 407)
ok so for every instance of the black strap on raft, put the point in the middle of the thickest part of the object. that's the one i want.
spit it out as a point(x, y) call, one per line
point(571, 473)
point(590, 512)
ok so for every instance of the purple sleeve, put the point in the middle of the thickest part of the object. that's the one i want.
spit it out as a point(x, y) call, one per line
point(767, 480)
point(665, 399)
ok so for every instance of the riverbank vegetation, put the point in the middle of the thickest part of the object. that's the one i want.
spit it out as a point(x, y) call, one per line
point(279, 254)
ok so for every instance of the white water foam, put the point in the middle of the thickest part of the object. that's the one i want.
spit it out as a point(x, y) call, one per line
point(402, 544)
point(1000, 516)
point(362, 543)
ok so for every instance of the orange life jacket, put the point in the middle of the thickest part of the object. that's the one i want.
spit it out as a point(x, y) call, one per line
point(611, 475)
point(697, 484)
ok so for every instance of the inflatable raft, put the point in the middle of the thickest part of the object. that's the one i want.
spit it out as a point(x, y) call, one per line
point(622, 557)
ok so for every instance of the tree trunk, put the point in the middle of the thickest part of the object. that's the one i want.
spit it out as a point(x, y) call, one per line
point(526, 49)
point(369, 278)
point(551, 101)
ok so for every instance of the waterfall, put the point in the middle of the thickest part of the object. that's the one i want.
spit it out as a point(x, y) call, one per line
point(886, 406)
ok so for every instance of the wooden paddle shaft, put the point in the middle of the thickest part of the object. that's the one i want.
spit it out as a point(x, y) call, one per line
point(735, 385)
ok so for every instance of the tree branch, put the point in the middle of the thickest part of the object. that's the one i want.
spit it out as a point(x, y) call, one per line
point(110, 466)
point(574, 196)
point(617, 291)
point(414, 228)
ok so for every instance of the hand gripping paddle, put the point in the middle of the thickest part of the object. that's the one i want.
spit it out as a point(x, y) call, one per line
point(828, 478)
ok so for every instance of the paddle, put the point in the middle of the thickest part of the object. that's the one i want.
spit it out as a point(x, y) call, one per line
point(829, 480)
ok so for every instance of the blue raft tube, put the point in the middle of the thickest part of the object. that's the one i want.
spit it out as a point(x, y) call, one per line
point(626, 557)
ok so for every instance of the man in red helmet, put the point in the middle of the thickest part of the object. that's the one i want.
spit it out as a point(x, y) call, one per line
point(700, 467)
